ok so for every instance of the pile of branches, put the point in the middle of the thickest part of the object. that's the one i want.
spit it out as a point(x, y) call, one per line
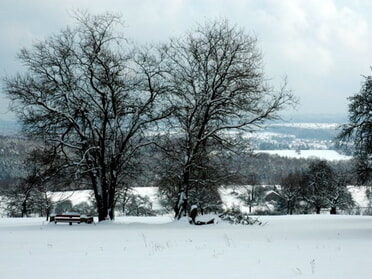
point(236, 216)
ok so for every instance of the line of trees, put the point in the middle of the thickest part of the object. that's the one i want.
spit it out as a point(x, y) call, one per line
point(319, 187)
point(28, 195)
point(94, 101)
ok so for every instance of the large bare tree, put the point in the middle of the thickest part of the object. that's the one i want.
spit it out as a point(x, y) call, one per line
point(87, 94)
point(217, 82)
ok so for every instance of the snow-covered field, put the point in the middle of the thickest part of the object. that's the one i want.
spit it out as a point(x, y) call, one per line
point(155, 247)
point(306, 125)
point(330, 155)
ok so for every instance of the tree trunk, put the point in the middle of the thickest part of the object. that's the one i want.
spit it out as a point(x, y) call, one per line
point(102, 209)
point(333, 210)
point(193, 214)
point(100, 194)
point(318, 208)
point(180, 208)
point(289, 208)
point(24, 208)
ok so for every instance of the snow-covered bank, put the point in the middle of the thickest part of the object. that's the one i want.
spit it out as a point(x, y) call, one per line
point(285, 247)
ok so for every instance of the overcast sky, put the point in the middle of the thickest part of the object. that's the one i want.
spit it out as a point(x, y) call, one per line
point(322, 46)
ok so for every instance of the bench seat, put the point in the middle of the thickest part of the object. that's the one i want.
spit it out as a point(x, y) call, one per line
point(67, 218)
point(71, 218)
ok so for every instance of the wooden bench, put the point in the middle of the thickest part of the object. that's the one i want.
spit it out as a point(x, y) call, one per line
point(71, 218)
point(67, 218)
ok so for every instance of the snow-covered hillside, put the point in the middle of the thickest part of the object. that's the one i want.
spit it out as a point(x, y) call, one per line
point(285, 247)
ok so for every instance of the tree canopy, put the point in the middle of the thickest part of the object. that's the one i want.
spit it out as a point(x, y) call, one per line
point(218, 86)
point(88, 97)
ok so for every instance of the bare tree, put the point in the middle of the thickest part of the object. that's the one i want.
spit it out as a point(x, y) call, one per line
point(19, 199)
point(339, 197)
point(253, 193)
point(290, 191)
point(212, 171)
point(47, 173)
point(216, 80)
point(320, 182)
point(86, 93)
point(30, 195)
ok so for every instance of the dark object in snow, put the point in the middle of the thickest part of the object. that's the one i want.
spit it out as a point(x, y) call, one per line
point(194, 213)
point(86, 219)
point(198, 223)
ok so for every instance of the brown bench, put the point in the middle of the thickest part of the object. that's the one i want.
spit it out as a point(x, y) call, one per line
point(71, 218)
point(67, 218)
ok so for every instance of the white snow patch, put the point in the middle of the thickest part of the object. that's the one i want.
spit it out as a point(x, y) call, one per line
point(75, 197)
point(359, 196)
point(151, 193)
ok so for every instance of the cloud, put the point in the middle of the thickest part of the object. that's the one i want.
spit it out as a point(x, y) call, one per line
point(321, 45)
point(314, 33)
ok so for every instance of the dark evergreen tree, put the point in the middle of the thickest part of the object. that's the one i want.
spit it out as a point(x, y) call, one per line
point(359, 130)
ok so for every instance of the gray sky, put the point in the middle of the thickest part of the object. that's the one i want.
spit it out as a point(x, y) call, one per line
point(322, 46)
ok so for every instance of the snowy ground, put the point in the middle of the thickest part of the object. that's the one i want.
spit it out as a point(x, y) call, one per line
point(155, 247)
point(330, 155)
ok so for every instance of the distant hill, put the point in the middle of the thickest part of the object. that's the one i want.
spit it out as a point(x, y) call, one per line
point(294, 131)
point(12, 127)
point(300, 132)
